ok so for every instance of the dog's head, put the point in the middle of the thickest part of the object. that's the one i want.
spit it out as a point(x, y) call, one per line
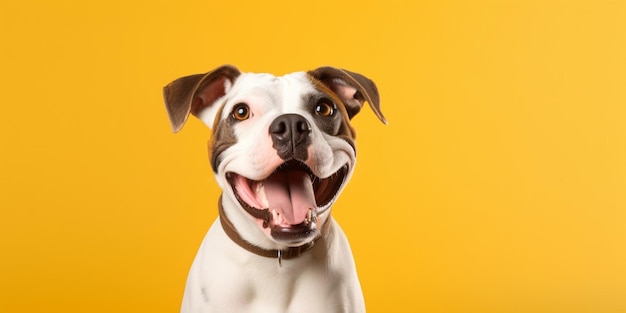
point(282, 147)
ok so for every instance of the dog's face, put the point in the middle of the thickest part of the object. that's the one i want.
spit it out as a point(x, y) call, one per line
point(282, 147)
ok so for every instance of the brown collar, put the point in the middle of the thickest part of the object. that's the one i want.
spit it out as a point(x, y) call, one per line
point(289, 253)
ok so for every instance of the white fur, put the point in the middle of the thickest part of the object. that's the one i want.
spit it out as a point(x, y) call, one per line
point(227, 278)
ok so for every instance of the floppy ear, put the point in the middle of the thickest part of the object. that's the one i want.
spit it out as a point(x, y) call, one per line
point(196, 93)
point(352, 88)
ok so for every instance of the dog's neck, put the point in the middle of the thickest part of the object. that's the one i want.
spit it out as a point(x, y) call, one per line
point(284, 254)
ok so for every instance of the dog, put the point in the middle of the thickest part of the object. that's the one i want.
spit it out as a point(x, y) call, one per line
point(282, 149)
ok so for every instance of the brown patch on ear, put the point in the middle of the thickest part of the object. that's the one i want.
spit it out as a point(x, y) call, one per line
point(207, 92)
point(194, 93)
point(352, 88)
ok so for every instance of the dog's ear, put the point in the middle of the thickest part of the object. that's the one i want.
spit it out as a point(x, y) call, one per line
point(352, 88)
point(195, 94)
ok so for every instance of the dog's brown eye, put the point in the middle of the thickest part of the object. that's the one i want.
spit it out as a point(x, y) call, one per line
point(241, 112)
point(325, 108)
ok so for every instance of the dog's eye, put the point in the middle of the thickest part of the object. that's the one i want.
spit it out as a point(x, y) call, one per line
point(325, 108)
point(241, 112)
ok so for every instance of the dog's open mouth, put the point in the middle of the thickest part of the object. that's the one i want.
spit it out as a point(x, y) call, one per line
point(289, 200)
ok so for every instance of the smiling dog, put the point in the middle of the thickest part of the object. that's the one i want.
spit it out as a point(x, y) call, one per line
point(282, 150)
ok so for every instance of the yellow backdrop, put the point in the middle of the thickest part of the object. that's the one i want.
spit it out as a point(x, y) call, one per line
point(498, 185)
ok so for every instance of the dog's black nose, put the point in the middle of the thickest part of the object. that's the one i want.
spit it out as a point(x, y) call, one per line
point(291, 136)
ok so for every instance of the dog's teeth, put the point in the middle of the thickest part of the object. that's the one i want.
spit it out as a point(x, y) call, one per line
point(278, 219)
point(260, 194)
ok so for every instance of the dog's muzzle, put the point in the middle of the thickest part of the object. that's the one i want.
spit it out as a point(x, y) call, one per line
point(289, 200)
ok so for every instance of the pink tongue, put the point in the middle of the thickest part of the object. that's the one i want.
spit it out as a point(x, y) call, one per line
point(291, 195)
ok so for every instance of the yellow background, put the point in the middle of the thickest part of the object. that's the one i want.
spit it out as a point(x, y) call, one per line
point(498, 185)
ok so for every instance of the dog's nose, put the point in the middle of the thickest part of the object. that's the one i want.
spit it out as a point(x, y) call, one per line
point(291, 136)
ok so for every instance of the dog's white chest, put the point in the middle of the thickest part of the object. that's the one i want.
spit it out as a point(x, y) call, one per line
point(225, 278)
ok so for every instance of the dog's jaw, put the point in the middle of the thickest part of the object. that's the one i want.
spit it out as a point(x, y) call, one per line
point(289, 200)
point(254, 222)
